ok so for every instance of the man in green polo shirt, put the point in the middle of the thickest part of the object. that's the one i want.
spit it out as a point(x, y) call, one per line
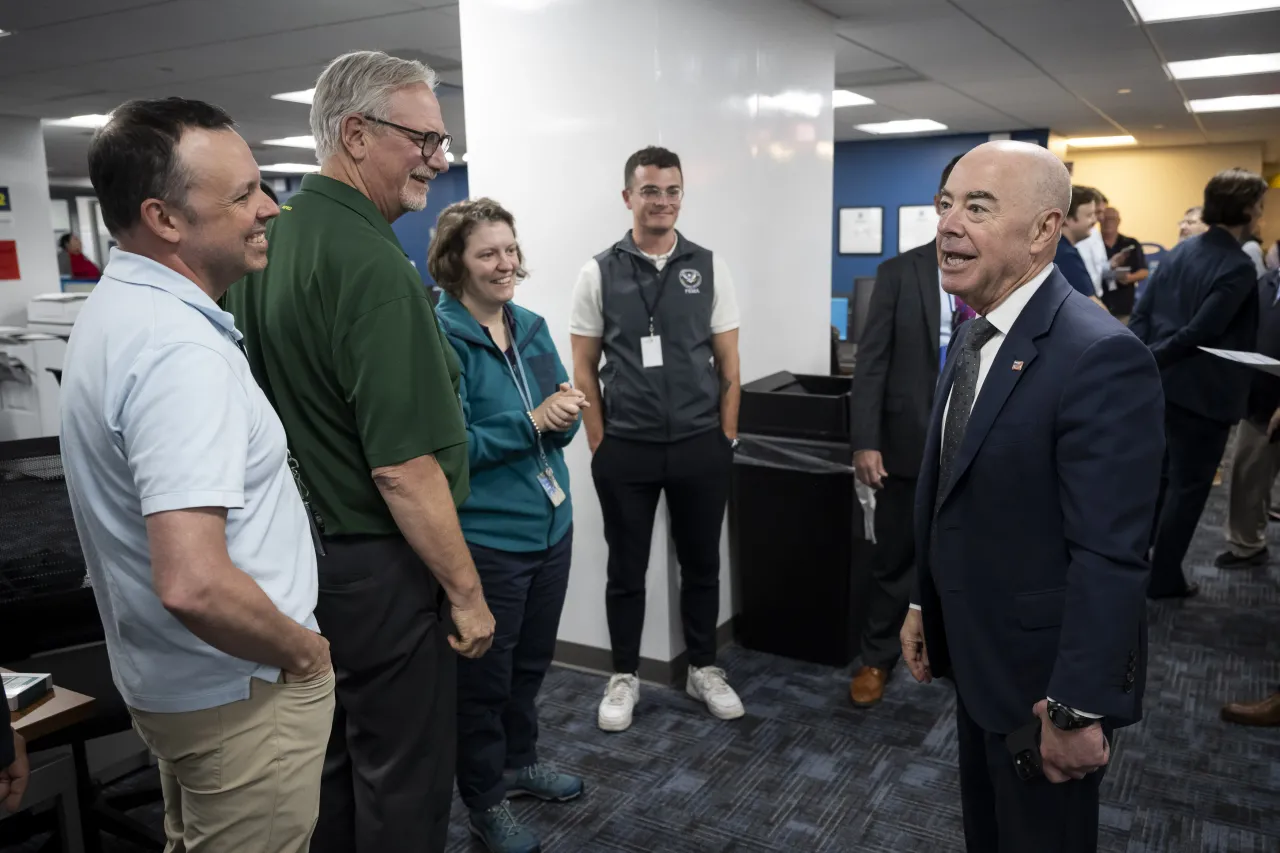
point(343, 338)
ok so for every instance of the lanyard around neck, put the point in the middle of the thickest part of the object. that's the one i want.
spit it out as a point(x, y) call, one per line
point(518, 376)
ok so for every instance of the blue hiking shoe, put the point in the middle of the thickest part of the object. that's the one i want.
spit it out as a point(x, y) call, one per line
point(543, 781)
point(500, 832)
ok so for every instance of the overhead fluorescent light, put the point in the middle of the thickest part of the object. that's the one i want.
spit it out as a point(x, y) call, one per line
point(4, 33)
point(906, 125)
point(1151, 11)
point(1224, 66)
point(290, 168)
point(292, 141)
point(79, 121)
point(302, 97)
point(845, 98)
point(1234, 103)
point(1100, 141)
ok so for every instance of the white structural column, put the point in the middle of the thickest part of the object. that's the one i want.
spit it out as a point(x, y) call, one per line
point(560, 92)
point(27, 219)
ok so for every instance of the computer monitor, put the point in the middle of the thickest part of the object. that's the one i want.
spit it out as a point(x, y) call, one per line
point(840, 315)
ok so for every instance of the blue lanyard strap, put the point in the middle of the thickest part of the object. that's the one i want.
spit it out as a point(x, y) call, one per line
point(522, 386)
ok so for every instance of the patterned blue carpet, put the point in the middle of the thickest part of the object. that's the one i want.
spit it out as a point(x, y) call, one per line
point(805, 772)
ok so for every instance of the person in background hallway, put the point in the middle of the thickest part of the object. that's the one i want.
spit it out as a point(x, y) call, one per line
point(76, 264)
point(909, 325)
point(1192, 223)
point(1033, 511)
point(194, 534)
point(344, 339)
point(1077, 226)
point(1205, 293)
point(1256, 459)
point(1126, 266)
point(663, 312)
point(518, 522)
point(1092, 249)
point(1252, 245)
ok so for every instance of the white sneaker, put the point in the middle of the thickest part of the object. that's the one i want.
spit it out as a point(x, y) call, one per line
point(708, 685)
point(619, 701)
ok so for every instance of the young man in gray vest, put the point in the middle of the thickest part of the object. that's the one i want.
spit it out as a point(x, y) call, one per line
point(663, 312)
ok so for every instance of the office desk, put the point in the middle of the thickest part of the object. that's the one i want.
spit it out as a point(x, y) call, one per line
point(61, 708)
point(53, 773)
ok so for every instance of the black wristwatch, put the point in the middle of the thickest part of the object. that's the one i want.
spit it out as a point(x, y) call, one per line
point(1068, 720)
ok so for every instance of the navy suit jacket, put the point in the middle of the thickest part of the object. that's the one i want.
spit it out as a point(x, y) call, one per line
point(1073, 268)
point(1032, 577)
point(1203, 294)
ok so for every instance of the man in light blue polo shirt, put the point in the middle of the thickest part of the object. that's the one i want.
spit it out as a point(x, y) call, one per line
point(196, 538)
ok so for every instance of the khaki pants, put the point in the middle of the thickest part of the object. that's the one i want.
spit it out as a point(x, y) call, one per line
point(243, 777)
point(1253, 471)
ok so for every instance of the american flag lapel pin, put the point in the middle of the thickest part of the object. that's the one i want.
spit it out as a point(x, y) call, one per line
point(1017, 365)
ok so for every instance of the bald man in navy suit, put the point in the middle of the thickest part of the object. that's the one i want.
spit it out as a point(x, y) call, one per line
point(1034, 510)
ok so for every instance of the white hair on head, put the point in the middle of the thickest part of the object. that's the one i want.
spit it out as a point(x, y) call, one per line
point(359, 83)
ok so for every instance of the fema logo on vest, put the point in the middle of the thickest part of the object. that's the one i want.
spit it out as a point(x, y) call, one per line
point(691, 280)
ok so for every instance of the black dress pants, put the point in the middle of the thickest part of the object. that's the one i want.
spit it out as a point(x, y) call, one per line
point(1193, 450)
point(629, 477)
point(1003, 814)
point(388, 774)
point(893, 572)
point(497, 717)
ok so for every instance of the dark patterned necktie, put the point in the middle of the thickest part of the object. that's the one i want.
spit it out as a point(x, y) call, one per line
point(964, 389)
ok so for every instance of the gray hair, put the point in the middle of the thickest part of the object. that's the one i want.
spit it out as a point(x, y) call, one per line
point(358, 83)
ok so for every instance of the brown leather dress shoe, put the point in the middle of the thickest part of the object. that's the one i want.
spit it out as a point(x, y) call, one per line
point(867, 687)
point(1264, 713)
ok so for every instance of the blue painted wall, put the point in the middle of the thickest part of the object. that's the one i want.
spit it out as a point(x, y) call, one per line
point(888, 173)
point(415, 229)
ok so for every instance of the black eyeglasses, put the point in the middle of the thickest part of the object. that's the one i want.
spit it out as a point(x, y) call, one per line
point(431, 141)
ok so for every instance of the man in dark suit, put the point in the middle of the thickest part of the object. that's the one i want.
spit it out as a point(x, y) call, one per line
point(909, 325)
point(1079, 222)
point(1203, 295)
point(1033, 510)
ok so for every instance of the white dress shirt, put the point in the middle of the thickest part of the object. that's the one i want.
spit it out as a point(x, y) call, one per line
point(1003, 316)
point(1093, 251)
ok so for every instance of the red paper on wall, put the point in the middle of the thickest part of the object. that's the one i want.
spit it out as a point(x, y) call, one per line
point(9, 260)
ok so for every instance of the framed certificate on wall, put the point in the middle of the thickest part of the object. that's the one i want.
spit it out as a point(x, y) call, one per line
point(862, 230)
point(917, 225)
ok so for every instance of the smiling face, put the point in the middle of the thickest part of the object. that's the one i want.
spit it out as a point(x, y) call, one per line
point(394, 171)
point(223, 222)
point(1077, 227)
point(996, 229)
point(491, 258)
point(654, 198)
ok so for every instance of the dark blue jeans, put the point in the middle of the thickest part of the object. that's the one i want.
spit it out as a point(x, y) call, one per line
point(497, 719)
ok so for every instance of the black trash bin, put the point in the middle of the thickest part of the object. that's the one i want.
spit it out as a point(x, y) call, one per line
point(795, 522)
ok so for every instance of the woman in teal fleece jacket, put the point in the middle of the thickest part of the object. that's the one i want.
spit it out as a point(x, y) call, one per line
point(518, 522)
